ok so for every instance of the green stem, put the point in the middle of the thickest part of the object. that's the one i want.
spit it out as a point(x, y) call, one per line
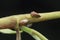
point(36, 35)
point(18, 34)
point(6, 22)
point(8, 31)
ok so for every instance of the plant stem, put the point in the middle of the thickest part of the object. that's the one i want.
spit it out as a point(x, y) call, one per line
point(36, 35)
point(6, 22)
point(18, 34)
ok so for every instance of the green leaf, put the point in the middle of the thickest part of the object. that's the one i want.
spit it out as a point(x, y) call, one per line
point(8, 31)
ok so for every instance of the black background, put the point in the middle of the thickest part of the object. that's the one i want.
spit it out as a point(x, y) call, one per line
point(51, 28)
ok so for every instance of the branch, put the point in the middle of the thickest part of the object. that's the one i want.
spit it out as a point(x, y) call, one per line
point(10, 21)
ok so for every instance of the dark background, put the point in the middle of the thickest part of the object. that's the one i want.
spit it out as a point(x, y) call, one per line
point(51, 28)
